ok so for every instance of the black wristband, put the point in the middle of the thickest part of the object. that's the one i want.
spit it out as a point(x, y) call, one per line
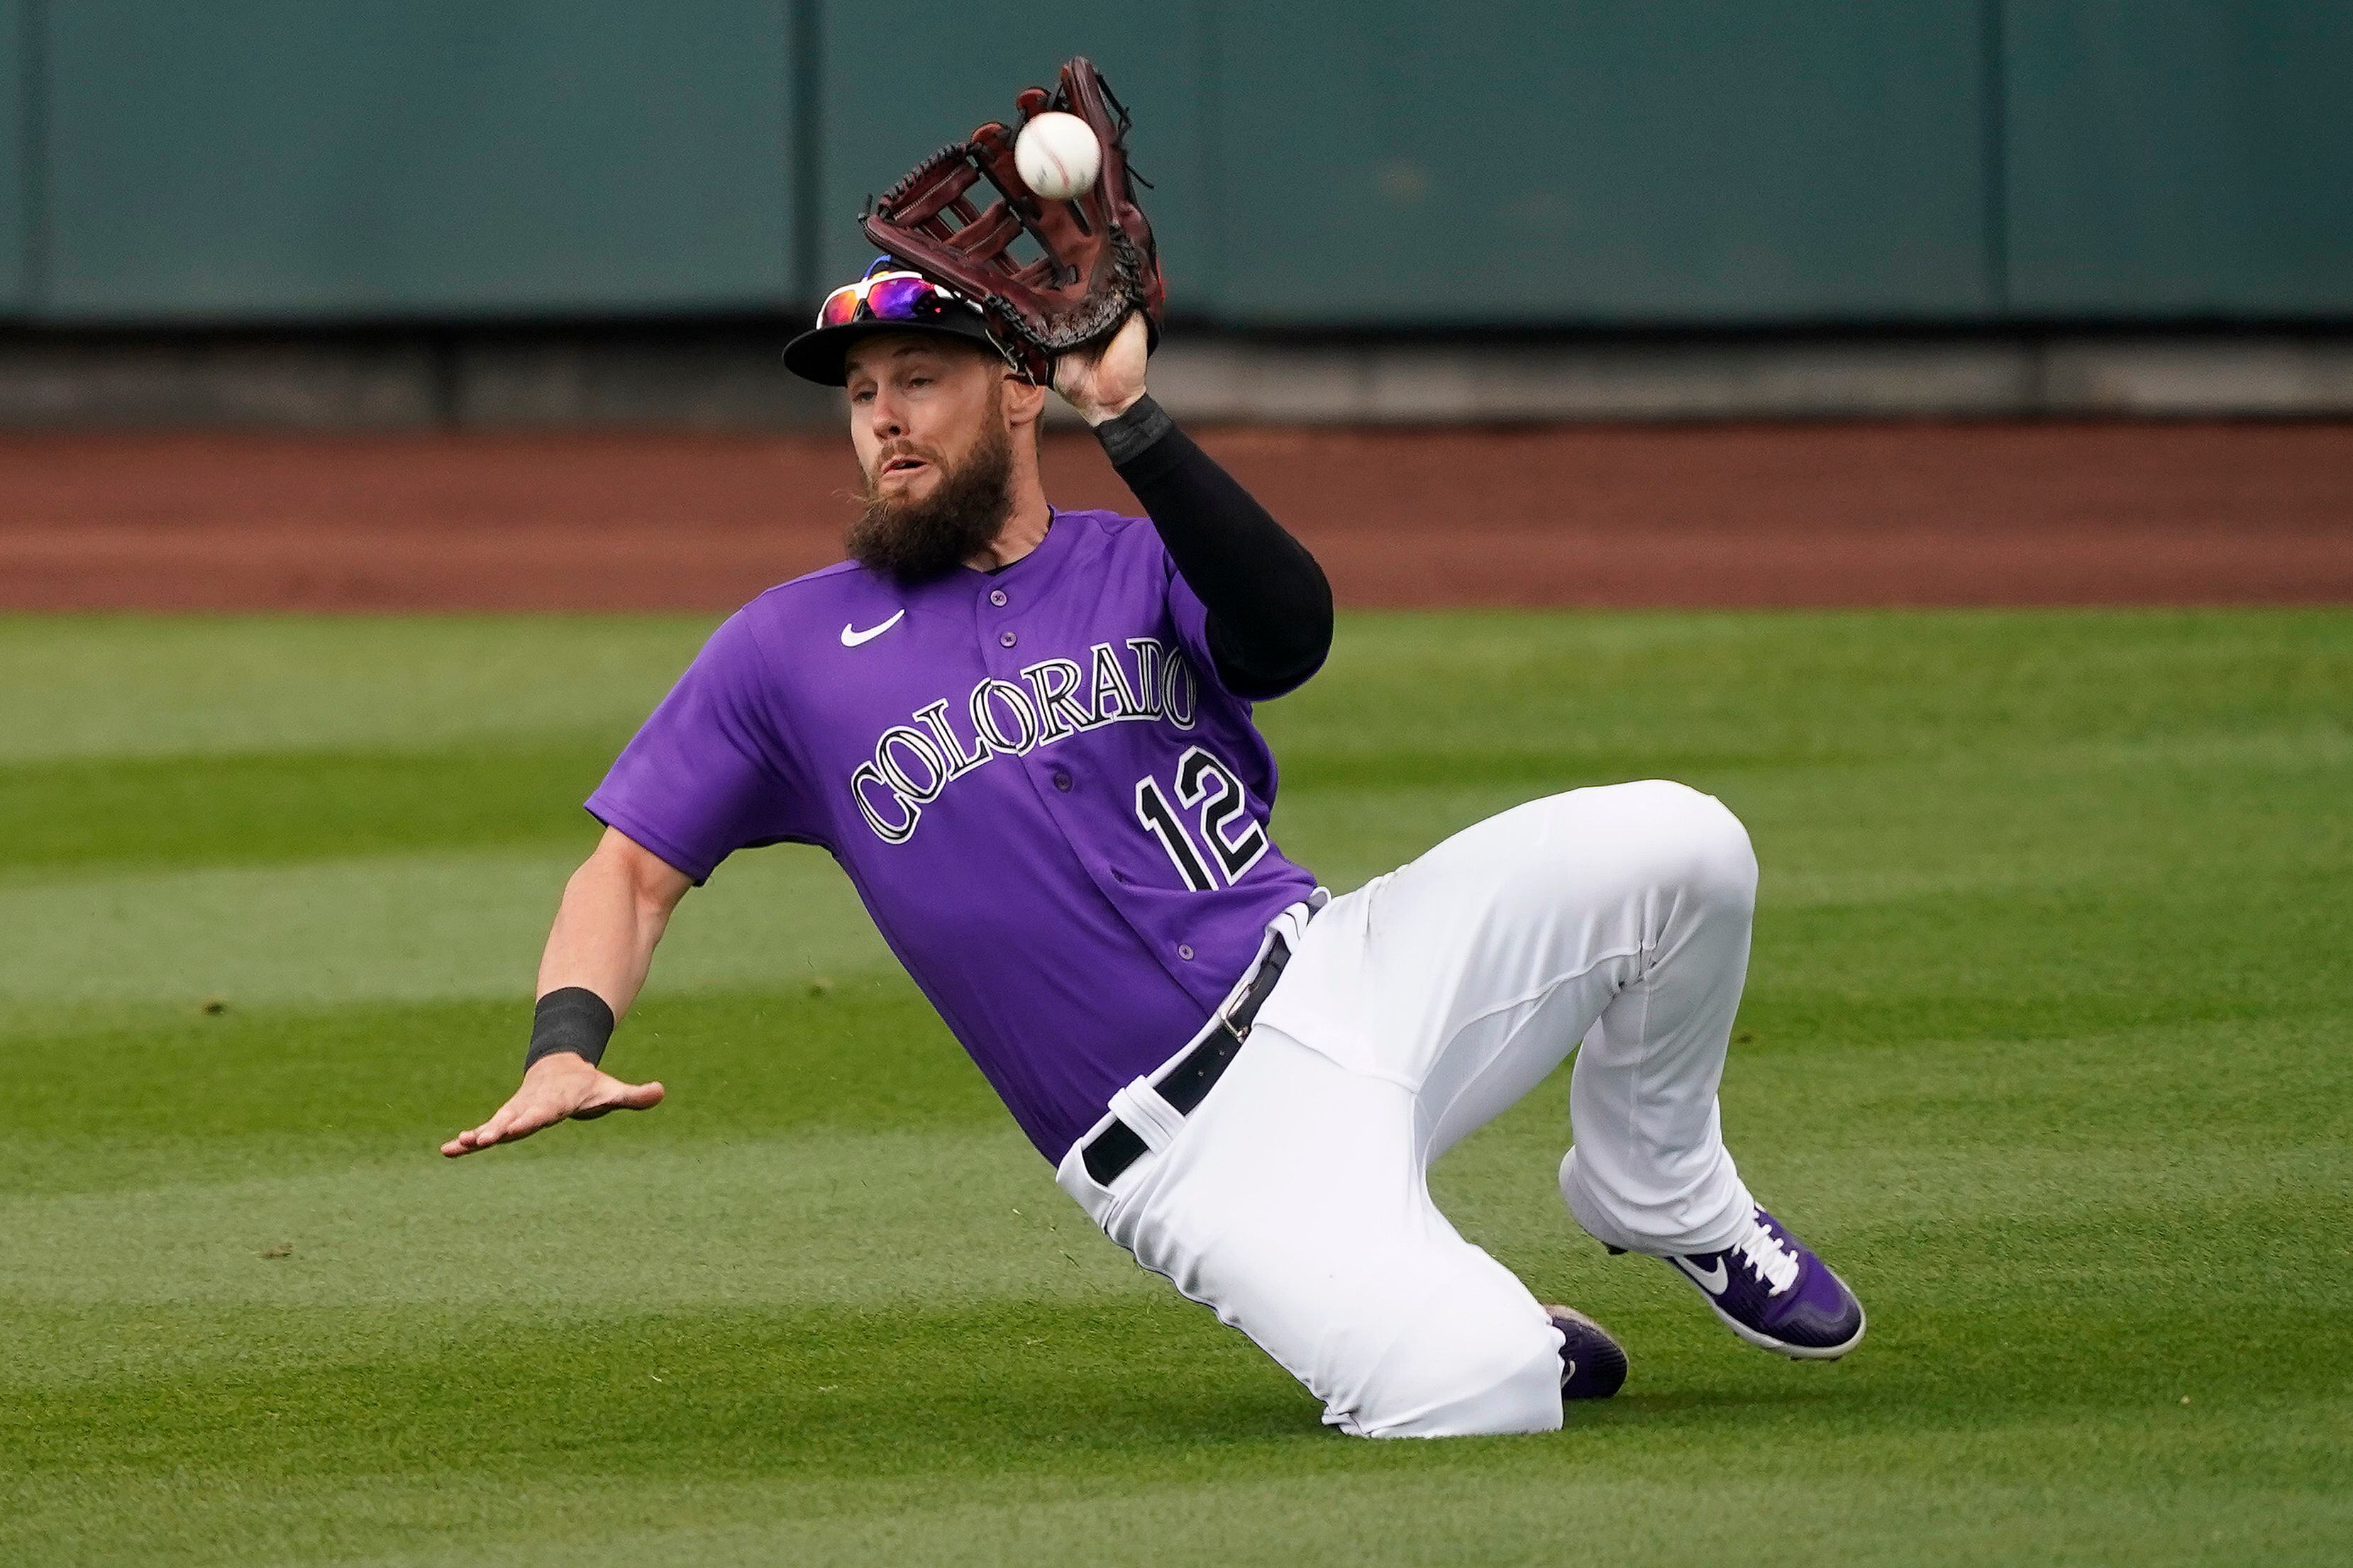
point(1127, 435)
point(574, 1019)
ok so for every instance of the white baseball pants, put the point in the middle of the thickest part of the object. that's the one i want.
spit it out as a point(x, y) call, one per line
point(1294, 1200)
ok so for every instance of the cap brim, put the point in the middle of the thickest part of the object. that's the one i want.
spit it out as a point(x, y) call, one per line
point(818, 354)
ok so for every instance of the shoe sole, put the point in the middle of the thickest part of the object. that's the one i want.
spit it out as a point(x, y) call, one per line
point(1764, 1341)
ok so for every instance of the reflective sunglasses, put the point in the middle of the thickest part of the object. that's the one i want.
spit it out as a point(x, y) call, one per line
point(887, 297)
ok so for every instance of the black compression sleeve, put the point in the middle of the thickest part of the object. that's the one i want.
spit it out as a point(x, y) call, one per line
point(1270, 606)
point(573, 1019)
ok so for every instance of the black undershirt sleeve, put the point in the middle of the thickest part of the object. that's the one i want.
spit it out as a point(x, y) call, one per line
point(1270, 606)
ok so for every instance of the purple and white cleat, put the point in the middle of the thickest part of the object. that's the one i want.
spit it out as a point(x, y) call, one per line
point(1592, 1364)
point(1771, 1291)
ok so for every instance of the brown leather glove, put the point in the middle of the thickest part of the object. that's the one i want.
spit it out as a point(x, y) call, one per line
point(1099, 260)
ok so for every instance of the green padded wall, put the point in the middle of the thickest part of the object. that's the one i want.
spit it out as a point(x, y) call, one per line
point(256, 159)
point(2180, 157)
point(15, 167)
point(885, 107)
point(1676, 161)
point(1320, 162)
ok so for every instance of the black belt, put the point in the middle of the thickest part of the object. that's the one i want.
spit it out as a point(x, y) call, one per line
point(1187, 1084)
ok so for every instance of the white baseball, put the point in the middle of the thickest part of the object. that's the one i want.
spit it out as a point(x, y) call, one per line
point(1057, 155)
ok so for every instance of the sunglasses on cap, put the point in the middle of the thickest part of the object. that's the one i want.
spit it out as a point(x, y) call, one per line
point(888, 297)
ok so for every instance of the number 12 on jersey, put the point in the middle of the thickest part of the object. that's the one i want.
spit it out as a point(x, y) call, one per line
point(1209, 788)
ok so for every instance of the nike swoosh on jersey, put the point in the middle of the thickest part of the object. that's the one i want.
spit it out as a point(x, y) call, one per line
point(851, 639)
point(1713, 1281)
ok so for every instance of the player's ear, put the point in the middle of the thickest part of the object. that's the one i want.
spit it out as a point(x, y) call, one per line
point(1025, 400)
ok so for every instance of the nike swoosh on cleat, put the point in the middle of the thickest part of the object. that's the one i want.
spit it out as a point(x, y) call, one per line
point(1567, 1370)
point(1715, 1282)
point(851, 639)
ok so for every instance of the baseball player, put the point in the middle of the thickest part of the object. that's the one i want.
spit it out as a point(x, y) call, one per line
point(1026, 735)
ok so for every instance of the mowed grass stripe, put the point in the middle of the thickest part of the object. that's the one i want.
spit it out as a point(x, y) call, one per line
point(840, 1393)
point(367, 1082)
point(270, 808)
point(815, 1218)
point(830, 1430)
point(877, 1055)
point(137, 686)
point(421, 927)
point(445, 926)
point(401, 1226)
point(1792, 686)
point(1474, 1503)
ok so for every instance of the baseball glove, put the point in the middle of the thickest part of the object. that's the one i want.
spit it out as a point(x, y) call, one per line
point(1099, 260)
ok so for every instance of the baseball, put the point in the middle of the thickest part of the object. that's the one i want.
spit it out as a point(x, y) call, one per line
point(1057, 155)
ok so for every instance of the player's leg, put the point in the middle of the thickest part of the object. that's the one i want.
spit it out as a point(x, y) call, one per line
point(1472, 973)
point(1292, 1202)
point(1619, 916)
point(1648, 1171)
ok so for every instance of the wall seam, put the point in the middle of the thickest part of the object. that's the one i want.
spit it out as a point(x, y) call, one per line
point(33, 154)
point(1994, 109)
point(805, 87)
point(1213, 264)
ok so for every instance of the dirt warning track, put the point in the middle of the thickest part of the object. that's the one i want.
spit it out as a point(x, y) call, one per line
point(1723, 515)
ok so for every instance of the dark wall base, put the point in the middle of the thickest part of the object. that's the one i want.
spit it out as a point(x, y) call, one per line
point(728, 377)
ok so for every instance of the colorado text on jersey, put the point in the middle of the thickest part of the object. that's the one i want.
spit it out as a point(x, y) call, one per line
point(912, 766)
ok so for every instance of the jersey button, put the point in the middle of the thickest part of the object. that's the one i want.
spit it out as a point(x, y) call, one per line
point(996, 597)
point(1061, 781)
point(1185, 951)
point(1005, 639)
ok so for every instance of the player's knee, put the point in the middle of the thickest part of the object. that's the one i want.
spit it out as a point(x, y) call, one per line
point(1493, 1386)
point(1694, 844)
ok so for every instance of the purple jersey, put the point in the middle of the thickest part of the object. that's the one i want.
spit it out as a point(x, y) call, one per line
point(1054, 810)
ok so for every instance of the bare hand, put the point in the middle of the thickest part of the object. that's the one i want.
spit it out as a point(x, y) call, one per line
point(1104, 382)
point(557, 1088)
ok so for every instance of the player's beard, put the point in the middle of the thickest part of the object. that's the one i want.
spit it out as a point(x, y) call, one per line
point(916, 541)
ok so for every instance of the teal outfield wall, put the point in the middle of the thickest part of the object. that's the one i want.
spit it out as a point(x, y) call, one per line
point(1319, 163)
point(273, 159)
point(2180, 157)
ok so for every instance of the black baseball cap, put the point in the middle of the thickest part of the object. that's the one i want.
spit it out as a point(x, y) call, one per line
point(889, 298)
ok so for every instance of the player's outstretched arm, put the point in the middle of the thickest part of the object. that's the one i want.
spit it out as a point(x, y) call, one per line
point(614, 912)
point(1269, 622)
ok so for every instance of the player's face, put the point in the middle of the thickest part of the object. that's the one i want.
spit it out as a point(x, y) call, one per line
point(934, 439)
point(918, 407)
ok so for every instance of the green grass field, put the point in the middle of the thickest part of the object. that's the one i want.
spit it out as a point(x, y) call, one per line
point(2046, 1047)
